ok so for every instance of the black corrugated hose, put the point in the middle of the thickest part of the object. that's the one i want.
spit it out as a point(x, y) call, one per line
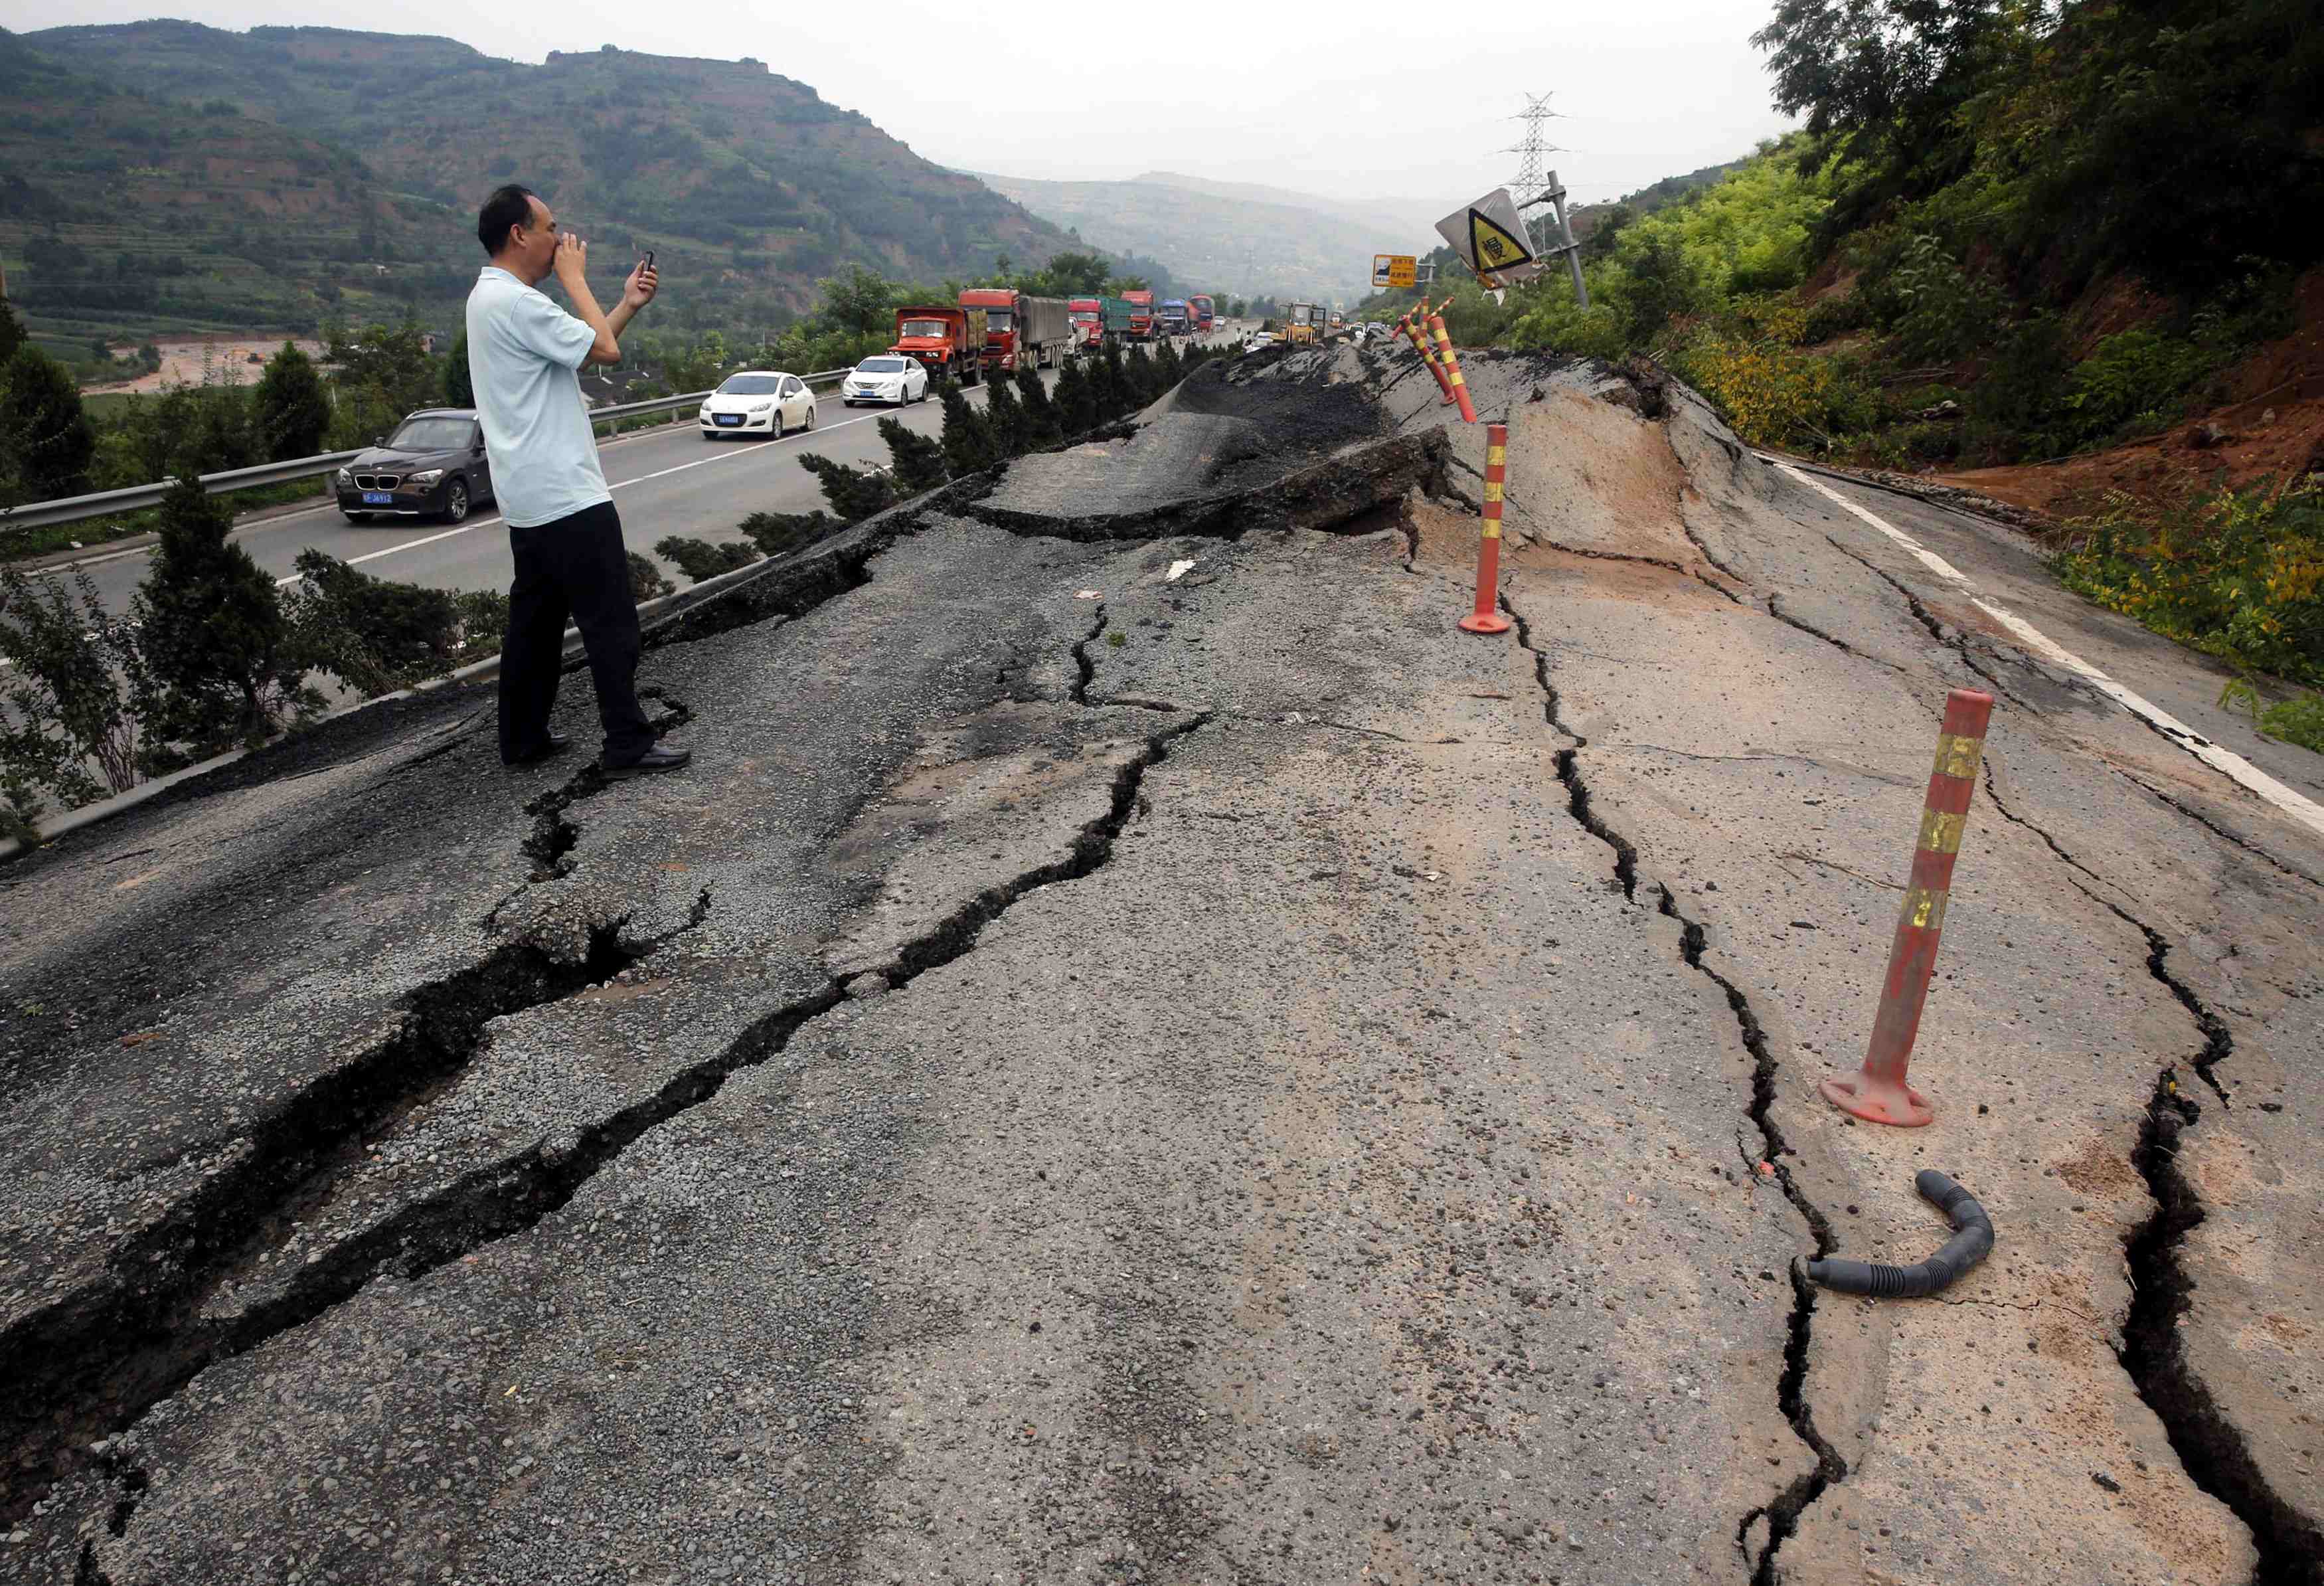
point(1971, 1243)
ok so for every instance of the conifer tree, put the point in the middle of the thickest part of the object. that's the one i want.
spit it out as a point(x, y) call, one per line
point(220, 651)
point(1041, 427)
point(45, 439)
point(1075, 400)
point(919, 459)
point(1005, 416)
point(967, 437)
point(854, 493)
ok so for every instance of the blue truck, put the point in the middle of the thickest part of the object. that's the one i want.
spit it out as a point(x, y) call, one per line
point(1172, 319)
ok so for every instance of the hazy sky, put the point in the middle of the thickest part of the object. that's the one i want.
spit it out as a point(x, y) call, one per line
point(1268, 92)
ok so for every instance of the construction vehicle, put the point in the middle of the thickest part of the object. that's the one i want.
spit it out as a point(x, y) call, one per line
point(1019, 332)
point(948, 339)
point(1098, 323)
point(1303, 324)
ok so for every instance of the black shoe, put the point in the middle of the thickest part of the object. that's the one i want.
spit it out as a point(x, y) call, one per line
point(656, 759)
point(555, 743)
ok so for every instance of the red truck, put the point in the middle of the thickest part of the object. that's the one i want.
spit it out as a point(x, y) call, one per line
point(1203, 313)
point(1141, 315)
point(1019, 332)
point(949, 340)
point(1097, 322)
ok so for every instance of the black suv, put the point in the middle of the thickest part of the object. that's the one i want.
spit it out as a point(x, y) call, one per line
point(434, 464)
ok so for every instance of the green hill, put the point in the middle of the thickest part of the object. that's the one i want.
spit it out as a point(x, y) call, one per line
point(748, 186)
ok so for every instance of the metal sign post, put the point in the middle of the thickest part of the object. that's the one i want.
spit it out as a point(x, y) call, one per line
point(1556, 199)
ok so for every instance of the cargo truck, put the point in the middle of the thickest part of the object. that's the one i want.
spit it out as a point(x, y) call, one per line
point(1203, 313)
point(948, 339)
point(1098, 323)
point(1173, 318)
point(1141, 315)
point(1019, 332)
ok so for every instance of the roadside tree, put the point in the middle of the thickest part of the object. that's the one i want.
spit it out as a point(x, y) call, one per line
point(854, 493)
point(11, 335)
point(1041, 426)
point(69, 732)
point(372, 634)
point(702, 561)
point(223, 666)
point(292, 410)
point(46, 442)
point(1005, 416)
point(1076, 403)
point(967, 439)
point(778, 534)
point(459, 391)
point(918, 459)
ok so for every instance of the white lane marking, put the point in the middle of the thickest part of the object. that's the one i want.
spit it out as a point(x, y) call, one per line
point(729, 453)
point(2304, 810)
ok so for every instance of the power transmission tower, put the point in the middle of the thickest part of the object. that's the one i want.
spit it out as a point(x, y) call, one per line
point(1533, 153)
point(1534, 183)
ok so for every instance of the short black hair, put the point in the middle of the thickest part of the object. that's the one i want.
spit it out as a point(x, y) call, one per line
point(508, 206)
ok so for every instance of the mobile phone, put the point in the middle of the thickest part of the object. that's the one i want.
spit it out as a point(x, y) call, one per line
point(648, 263)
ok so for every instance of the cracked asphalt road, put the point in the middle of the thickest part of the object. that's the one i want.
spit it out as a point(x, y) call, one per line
point(1139, 1053)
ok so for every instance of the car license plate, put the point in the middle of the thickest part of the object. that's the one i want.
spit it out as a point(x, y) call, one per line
point(729, 419)
point(377, 498)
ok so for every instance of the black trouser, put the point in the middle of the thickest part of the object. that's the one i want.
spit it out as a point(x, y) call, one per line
point(573, 567)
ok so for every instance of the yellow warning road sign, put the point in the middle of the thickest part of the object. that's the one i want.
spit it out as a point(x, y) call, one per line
point(1492, 246)
point(1395, 269)
point(1492, 240)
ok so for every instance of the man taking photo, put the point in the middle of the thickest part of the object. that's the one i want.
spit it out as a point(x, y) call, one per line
point(524, 358)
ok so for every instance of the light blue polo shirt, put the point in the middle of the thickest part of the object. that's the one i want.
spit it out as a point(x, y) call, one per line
point(524, 358)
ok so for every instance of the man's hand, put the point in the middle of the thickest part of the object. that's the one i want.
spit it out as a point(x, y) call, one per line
point(572, 261)
point(640, 289)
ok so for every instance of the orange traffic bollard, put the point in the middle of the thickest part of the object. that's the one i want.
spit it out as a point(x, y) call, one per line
point(1877, 1091)
point(1487, 618)
point(1417, 329)
point(1453, 368)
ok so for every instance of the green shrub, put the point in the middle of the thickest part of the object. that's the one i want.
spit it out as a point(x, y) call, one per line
point(854, 493)
point(1833, 317)
point(646, 580)
point(2238, 575)
point(372, 634)
point(69, 688)
point(702, 561)
point(776, 534)
point(916, 459)
point(2296, 720)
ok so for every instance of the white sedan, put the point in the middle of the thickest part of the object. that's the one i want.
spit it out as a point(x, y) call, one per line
point(887, 378)
point(758, 401)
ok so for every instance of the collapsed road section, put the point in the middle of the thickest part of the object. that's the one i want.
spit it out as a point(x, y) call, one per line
point(1138, 1052)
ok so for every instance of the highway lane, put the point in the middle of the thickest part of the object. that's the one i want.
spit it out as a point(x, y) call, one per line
point(666, 481)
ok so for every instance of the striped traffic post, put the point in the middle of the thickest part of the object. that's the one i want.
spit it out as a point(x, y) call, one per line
point(1416, 328)
point(1877, 1091)
point(1452, 367)
point(1487, 617)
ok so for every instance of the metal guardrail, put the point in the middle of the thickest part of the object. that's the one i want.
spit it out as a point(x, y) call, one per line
point(103, 503)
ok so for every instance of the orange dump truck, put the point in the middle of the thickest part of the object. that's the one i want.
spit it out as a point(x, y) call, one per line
point(948, 339)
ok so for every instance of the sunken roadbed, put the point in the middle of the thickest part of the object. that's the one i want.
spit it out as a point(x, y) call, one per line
point(1137, 1052)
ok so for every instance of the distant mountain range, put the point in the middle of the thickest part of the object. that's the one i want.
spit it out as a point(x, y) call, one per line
point(165, 175)
point(1237, 238)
